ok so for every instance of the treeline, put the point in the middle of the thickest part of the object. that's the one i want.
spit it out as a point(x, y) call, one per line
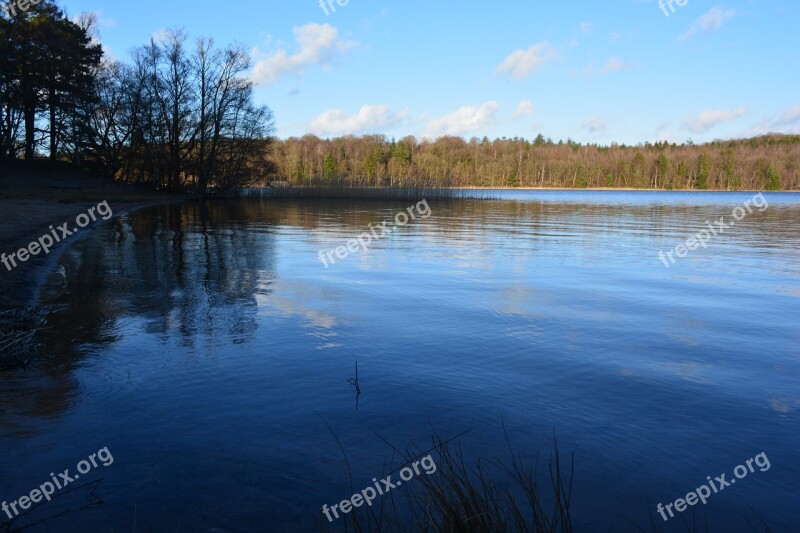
point(179, 117)
point(768, 162)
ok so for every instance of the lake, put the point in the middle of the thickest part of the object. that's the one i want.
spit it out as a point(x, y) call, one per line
point(209, 349)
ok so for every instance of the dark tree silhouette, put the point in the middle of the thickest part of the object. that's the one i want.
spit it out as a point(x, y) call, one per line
point(47, 64)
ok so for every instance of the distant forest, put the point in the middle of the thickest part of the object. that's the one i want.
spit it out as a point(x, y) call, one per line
point(770, 162)
point(181, 117)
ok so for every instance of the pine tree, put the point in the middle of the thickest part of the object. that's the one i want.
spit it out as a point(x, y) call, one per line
point(329, 167)
point(662, 169)
point(703, 171)
point(772, 178)
point(50, 63)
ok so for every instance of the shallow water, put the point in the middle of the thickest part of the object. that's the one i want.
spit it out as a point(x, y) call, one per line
point(209, 349)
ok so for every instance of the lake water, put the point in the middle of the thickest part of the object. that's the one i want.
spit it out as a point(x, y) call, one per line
point(209, 349)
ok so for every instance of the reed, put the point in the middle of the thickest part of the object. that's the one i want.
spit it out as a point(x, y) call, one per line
point(463, 497)
point(363, 193)
point(490, 496)
point(20, 341)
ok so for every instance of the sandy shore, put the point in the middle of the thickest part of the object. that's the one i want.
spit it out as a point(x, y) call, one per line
point(30, 203)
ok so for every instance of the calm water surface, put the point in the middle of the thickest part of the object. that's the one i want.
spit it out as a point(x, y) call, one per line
point(208, 348)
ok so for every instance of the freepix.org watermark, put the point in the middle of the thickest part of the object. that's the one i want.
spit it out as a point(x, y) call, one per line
point(325, 4)
point(10, 8)
point(365, 239)
point(47, 489)
point(662, 5)
point(48, 240)
point(718, 484)
point(704, 236)
point(385, 485)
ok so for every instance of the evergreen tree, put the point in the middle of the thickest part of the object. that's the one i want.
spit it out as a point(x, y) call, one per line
point(329, 166)
point(48, 71)
point(772, 179)
point(703, 171)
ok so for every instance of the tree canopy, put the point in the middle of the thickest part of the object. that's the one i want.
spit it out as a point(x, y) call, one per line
point(180, 116)
point(768, 162)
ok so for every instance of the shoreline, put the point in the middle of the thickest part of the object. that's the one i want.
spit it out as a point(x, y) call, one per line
point(23, 284)
point(477, 188)
point(607, 189)
point(42, 271)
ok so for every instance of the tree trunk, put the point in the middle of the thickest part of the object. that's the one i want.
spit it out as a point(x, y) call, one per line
point(30, 122)
point(53, 126)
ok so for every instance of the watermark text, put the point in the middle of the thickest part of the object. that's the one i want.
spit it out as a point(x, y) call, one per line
point(663, 4)
point(365, 239)
point(717, 228)
point(10, 8)
point(48, 240)
point(383, 486)
point(47, 489)
point(718, 484)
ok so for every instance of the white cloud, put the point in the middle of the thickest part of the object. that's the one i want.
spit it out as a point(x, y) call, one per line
point(595, 125)
point(586, 27)
point(789, 119)
point(93, 21)
point(462, 121)
point(663, 132)
point(615, 36)
point(663, 126)
point(319, 45)
point(522, 64)
point(370, 118)
point(786, 122)
point(710, 118)
point(160, 36)
point(524, 109)
point(99, 21)
point(711, 21)
point(614, 64)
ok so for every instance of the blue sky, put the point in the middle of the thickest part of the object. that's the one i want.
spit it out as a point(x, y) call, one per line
point(590, 70)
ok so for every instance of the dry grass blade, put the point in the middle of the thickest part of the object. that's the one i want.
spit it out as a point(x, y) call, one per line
point(465, 497)
point(20, 340)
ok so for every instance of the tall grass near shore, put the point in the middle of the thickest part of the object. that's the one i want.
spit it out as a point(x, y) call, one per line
point(483, 496)
point(492, 496)
point(364, 193)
